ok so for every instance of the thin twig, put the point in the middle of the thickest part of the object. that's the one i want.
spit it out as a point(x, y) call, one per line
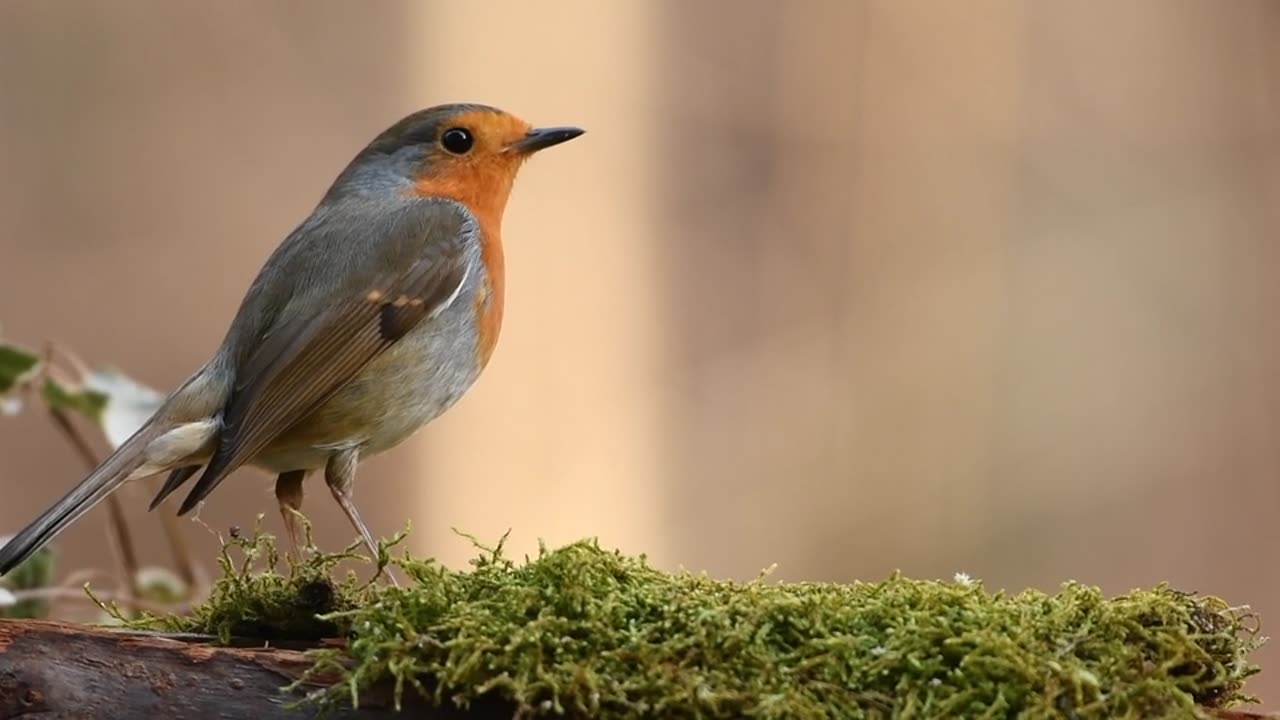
point(117, 522)
point(77, 578)
point(178, 544)
point(64, 593)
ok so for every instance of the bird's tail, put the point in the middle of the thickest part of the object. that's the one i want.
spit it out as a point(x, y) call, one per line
point(157, 446)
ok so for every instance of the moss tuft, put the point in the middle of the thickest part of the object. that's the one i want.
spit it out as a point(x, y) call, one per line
point(582, 631)
point(254, 598)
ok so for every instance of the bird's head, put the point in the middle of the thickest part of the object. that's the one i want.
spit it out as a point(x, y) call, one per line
point(466, 152)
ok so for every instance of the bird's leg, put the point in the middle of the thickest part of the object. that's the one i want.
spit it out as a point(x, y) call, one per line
point(289, 495)
point(340, 474)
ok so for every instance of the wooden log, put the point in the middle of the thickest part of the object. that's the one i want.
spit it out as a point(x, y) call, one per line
point(58, 671)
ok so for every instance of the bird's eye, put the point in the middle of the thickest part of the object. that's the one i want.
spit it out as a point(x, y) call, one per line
point(457, 140)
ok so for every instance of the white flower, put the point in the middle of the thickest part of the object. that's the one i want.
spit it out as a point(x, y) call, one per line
point(963, 579)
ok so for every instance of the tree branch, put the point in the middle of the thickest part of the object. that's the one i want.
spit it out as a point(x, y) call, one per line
point(122, 541)
point(57, 671)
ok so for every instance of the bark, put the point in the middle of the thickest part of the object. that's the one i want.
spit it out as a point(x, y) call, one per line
point(56, 671)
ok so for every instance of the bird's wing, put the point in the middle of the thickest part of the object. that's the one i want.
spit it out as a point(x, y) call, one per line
point(380, 292)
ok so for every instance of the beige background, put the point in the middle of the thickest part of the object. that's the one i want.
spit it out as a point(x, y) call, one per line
point(846, 286)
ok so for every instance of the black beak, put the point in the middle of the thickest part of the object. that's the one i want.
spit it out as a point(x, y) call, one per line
point(543, 138)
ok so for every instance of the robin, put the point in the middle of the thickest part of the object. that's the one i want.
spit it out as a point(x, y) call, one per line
point(371, 319)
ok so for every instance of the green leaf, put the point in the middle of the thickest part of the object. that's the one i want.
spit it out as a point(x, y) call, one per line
point(16, 363)
point(34, 572)
point(117, 403)
point(89, 403)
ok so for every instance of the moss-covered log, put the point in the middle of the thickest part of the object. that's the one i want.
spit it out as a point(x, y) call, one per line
point(56, 671)
point(581, 632)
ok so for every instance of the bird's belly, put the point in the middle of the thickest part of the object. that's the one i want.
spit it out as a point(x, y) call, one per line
point(403, 389)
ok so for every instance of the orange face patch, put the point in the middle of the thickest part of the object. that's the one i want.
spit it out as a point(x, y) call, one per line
point(481, 179)
point(493, 131)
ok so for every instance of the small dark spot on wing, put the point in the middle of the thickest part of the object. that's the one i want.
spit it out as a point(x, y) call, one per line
point(396, 319)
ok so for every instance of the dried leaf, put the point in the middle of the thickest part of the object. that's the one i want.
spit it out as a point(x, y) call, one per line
point(10, 406)
point(129, 403)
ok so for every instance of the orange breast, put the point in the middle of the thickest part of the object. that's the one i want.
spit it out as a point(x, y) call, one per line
point(483, 188)
point(489, 302)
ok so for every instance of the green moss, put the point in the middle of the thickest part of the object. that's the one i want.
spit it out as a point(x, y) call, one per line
point(256, 598)
point(32, 573)
point(582, 631)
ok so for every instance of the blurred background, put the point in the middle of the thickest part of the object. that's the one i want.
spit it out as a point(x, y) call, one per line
point(847, 286)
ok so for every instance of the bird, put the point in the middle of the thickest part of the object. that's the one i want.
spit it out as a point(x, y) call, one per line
point(369, 320)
